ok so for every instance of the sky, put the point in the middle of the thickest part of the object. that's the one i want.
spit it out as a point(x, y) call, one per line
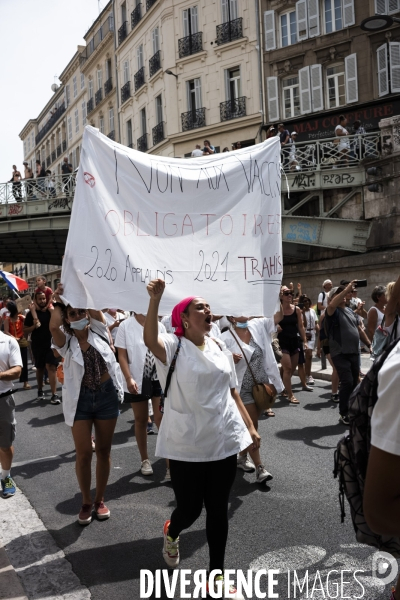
point(37, 40)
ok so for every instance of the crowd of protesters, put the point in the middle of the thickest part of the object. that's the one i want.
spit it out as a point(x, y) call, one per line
point(40, 182)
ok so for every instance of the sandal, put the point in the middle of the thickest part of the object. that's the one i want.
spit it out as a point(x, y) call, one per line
point(284, 394)
point(294, 400)
point(269, 412)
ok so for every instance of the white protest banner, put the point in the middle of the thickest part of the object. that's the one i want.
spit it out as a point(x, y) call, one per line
point(209, 226)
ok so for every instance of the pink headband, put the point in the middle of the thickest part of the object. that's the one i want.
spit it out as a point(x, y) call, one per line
point(176, 320)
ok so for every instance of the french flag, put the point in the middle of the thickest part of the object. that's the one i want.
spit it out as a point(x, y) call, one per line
point(15, 283)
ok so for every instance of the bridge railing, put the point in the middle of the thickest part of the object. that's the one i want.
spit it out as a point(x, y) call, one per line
point(41, 188)
point(331, 153)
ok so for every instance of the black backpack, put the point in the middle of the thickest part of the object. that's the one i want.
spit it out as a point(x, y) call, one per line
point(351, 457)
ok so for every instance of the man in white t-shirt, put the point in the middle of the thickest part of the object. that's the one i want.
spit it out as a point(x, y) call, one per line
point(197, 151)
point(10, 369)
point(322, 301)
point(382, 484)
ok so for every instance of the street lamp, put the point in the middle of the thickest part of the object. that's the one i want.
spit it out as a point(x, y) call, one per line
point(169, 72)
point(378, 23)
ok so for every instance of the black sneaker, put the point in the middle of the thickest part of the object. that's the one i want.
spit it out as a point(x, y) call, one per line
point(335, 397)
point(40, 395)
point(344, 419)
point(55, 399)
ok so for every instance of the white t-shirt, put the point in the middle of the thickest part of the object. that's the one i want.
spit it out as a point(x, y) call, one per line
point(4, 313)
point(110, 320)
point(197, 152)
point(389, 328)
point(343, 142)
point(379, 313)
point(166, 321)
point(10, 356)
point(323, 297)
point(385, 420)
point(201, 421)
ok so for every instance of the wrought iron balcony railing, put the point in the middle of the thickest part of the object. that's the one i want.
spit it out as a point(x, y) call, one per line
point(193, 119)
point(53, 119)
point(136, 15)
point(142, 143)
point(122, 32)
point(108, 86)
point(190, 44)
point(53, 156)
point(229, 31)
point(89, 105)
point(59, 150)
point(233, 109)
point(125, 92)
point(130, 145)
point(97, 39)
point(149, 4)
point(64, 145)
point(158, 133)
point(155, 63)
point(38, 189)
point(98, 96)
point(139, 79)
point(111, 135)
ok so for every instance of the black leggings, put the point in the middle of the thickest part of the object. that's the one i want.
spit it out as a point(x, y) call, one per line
point(208, 482)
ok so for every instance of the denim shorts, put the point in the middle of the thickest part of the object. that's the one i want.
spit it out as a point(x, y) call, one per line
point(99, 404)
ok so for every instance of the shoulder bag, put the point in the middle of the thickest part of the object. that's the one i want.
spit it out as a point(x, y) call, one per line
point(264, 394)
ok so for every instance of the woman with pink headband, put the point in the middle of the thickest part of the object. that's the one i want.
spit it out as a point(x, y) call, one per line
point(204, 427)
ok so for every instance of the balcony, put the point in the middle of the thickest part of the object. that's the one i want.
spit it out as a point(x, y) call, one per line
point(108, 86)
point(136, 15)
point(48, 161)
point(64, 145)
point(99, 36)
point(158, 133)
point(193, 119)
point(53, 119)
point(89, 105)
point(122, 32)
point(149, 4)
point(111, 135)
point(233, 109)
point(125, 92)
point(53, 156)
point(229, 31)
point(142, 143)
point(139, 79)
point(59, 150)
point(190, 44)
point(155, 63)
point(98, 96)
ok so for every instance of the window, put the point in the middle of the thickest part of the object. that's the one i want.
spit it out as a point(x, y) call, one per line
point(29, 144)
point(25, 145)
point(333, 15)
point(108, 68)
point(75, 86)
point(67, 96)
point(387, 7)
point(33, 140)
point(111, 119)
point(156, 42)
point(69, 124)
point(291, 97)
point(99, 79)
point(143, 125)
point(232, 83)
point(159, 111)
point(76, 120)
point(90, 88)
point(82, 81)
point(129, 133)
point(288, 28)
point(84, 114)
point(388, 63)
point(139, 56)
point(193, 90)
point(101, 124)
point(229, 10)
point(190, 21)
point(335, 86)
point(126, 71)
point(123, 12)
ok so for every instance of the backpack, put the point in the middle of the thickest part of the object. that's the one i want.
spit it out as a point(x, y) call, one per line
point(323, 298)
point(351, 458)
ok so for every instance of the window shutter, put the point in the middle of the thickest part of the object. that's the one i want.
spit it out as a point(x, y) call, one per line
point(225, 11)
point(316, 87)
point(350, 63)
point(383, 75)
point(234, 9)
point(349, 17)
point(269, 30)
point(381, 7)
point(301, 20)
point(140, 56)
point(197, 93)
point(305, 91)
point(394, 7)
point(273, 99)
point(194, 20)
point(313, 18)
point(394, 55)
point(227, 85)
point(156, 46)
point(188, 96)
point(185, 14)
point(126, 71)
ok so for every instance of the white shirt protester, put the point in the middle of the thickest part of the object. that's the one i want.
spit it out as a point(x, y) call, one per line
point(323, 299)
point(201, 420)
point(10, 356)
point(311, 319)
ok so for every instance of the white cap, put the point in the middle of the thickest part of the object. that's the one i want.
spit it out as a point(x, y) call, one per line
point(326, 281)
point(294, 133)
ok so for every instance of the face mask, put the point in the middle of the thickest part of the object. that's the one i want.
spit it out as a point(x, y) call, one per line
point(242, 325)
point(79, 325)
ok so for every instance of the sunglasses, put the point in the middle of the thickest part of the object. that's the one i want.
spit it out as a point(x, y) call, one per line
point(288, 293)
point(77, 313)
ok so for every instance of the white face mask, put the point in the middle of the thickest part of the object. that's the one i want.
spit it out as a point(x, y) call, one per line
point(79, 325)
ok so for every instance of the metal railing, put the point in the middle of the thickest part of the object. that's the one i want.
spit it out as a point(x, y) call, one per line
point(53, 119)
point(142, 143)
point(98, 37)
point(125, 92)
point(149, 4)
point(111, 135)
point(193, 119)
point(136, 15)
point(139, 79)
point(155, 63)
point(331, 153)
point(56, 186)
point(190, 44)
point(108, 86)
point(158, 133)
point(89, 106)
point(233, 109)
point(122, 32)
point(229, 31)
point(98, 96)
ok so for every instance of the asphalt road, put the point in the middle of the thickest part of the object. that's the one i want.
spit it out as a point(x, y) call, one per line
point(293, 523)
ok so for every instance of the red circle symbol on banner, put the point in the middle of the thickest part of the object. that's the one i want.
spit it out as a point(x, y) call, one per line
point(89, 179)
